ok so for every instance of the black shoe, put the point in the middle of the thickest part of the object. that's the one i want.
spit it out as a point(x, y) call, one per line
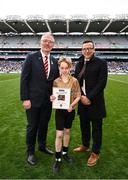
point(67, 158)
point(31, 159)
point(46, 150)
point(56, 166)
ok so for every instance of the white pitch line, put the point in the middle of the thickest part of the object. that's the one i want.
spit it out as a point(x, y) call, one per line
point(118, 80)
point(8, 80)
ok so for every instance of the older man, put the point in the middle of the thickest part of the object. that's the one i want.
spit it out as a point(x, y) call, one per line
point(39, 71)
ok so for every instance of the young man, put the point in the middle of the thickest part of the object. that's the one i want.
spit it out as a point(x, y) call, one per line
point(92, 75)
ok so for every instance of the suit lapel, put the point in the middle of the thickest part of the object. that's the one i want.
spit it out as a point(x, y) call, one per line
point(51, 67)
point(41, 65)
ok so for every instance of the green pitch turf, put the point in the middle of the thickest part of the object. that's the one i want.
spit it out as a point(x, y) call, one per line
point(114, 154)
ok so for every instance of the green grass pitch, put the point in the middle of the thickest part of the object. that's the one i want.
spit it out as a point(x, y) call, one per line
point(114, 154)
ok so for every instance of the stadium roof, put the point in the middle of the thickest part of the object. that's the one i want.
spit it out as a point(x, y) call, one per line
point(58, 24)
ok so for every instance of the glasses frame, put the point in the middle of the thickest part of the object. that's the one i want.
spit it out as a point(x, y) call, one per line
point(87, 49)
point(45, 41)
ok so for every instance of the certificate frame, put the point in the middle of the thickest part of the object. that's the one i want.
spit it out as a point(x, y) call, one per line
point(62, 98)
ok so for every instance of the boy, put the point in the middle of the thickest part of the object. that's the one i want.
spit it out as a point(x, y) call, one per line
point(63, 117)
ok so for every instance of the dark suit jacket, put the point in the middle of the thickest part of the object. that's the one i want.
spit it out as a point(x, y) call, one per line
point(33, 85)
point(95, 81)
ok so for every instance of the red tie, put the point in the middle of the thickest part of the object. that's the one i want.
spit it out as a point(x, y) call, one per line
point(46, 65)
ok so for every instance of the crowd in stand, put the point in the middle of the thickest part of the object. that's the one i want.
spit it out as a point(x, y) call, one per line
point(117, 67)
point(15, 66)
point(10, 66)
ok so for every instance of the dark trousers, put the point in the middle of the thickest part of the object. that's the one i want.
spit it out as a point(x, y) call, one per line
point(37, 126)
point(91, 128)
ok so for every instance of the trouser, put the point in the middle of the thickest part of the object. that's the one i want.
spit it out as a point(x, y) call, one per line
point(91, 128)
point(37, 126)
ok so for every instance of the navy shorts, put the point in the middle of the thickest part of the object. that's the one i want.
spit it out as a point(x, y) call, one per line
point(64, 119)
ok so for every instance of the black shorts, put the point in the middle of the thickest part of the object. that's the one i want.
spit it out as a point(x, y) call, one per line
point(64, 119)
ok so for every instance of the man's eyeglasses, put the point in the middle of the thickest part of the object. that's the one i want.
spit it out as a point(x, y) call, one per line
point(87, 49)
point(47, 41)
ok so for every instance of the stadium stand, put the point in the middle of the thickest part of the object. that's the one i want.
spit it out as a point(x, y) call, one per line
point(19, 36)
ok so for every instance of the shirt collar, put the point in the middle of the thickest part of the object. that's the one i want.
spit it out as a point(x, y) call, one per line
point(86, 59)
point(43, 55)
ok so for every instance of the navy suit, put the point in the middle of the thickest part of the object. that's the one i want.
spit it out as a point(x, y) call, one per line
point(95, 76)
point(34, 86)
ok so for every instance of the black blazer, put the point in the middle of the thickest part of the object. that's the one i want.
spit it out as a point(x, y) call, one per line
point(33, 85)
point(95, 81)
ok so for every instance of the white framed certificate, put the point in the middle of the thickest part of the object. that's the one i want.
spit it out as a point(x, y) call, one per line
point(62, 100)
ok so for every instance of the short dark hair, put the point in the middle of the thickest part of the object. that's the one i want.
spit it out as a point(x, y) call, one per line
point(89, 41)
